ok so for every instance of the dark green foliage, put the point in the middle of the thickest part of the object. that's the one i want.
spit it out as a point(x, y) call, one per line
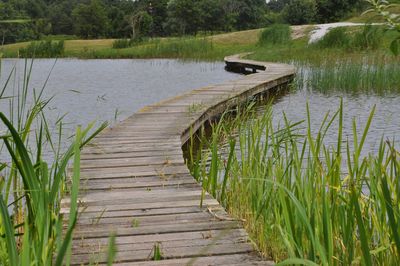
point(277, 5)
point(22, 30)
point(250, 13)
point(275, 34)
point(183, 16)
point(146, 25)
point(115, 19)
point(90, 20)
point(334, 10)
point(60, 16)
point(43, 49)
point(321, 11)
point(210, 16)
point(335, 38)
point(298, 12)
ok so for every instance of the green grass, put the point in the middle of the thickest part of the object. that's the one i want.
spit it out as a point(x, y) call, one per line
point(301, 206)
point(46, 49)
point(275, 34)
point(335, 38)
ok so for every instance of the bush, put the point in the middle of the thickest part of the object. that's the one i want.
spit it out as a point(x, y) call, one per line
point(369, 38)
point(121, 43)
point(298, 12)
point(275, 34)
point(43, 49)
point(335, 38)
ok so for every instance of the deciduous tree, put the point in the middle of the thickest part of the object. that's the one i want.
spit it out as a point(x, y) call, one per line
point(90, 20)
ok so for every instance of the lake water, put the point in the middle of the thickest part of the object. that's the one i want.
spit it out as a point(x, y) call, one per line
point(385, 123)
point(110, 90)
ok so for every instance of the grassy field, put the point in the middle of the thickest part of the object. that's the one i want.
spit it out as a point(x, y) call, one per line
point(214, 47)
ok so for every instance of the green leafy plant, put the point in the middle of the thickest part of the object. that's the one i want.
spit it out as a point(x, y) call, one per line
point(382, 7)
point(304, 202)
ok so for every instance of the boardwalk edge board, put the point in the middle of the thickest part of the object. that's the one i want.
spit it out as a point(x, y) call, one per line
point(135, 183)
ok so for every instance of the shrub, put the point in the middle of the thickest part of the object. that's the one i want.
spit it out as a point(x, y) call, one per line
point(43, 49)
point(335, 38)
point(369, 38)
point(275, 34)
point(121, 43)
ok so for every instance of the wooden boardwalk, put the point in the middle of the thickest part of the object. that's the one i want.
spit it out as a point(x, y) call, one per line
point(135, 184)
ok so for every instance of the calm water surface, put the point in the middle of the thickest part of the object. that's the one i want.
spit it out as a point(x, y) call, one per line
point(111, 90)
point(385, 123)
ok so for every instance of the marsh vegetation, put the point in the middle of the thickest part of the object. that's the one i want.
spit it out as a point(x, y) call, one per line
point(304, 201)
point(32, 185)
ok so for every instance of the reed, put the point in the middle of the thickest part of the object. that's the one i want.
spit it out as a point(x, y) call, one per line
point(31, 220)
point(335, 38)
point(306, 203)
point(43, 49)
point(374, 76)
point(184, 48)
point(275, 34)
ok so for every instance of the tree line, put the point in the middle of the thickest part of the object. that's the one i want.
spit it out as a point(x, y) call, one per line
point(32, 19)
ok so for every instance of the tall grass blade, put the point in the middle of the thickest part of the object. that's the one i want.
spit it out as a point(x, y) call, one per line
point(390, 212)
point(112, 250)
point(9, 233)
point(361, 228)
point(75, 185)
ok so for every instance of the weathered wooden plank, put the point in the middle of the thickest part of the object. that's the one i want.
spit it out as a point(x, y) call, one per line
point(146, 212)
point(139, 154)
point(138, 185)
point(210, 214)
point(165, 245)
point(152, 238)
point(172, 196)
point(240, 259)
point(145, 206)
point(170, 253)
point(125, 162)
point(135, 171)
point(156, 229)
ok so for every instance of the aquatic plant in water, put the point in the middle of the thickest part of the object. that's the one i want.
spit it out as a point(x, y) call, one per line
point(31, 223)
point(305, 202)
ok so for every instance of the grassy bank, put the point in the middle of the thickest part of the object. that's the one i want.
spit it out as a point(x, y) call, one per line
point(304, 202)
point(213, 48)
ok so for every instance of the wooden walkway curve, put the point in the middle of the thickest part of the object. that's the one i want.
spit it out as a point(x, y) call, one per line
point(134, 183)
